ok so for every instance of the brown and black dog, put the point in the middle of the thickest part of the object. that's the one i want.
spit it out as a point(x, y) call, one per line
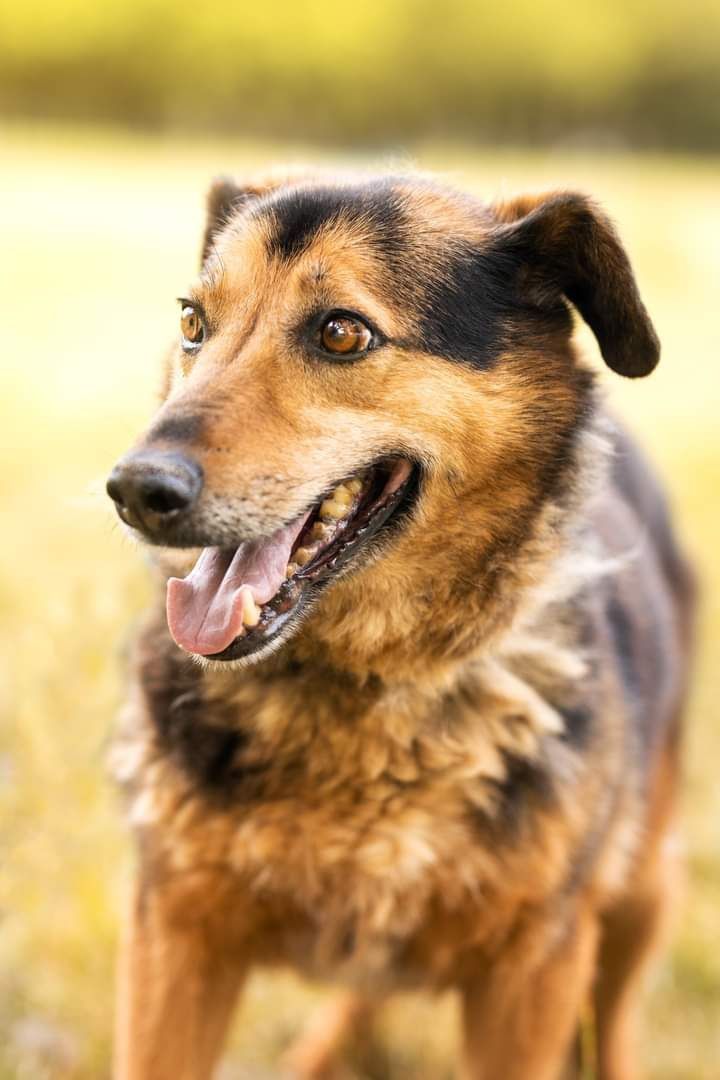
point(411, 718)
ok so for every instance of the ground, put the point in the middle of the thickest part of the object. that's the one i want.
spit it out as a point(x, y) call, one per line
point(100, 235)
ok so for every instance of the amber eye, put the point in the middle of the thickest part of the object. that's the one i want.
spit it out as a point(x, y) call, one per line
point(344, 335)
point(192, 328)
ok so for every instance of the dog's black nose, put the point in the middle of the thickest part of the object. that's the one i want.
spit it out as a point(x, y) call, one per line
point(151, 488)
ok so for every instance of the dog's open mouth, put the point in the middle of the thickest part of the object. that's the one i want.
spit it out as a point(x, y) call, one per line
point(236, 601)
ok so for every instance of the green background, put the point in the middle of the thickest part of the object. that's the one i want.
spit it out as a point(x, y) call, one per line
point(644, 72)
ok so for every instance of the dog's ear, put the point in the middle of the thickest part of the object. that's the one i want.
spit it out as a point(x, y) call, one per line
point(566, 246)
point(224, 198)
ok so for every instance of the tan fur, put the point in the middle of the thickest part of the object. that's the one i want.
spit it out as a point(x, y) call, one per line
point(367, 843)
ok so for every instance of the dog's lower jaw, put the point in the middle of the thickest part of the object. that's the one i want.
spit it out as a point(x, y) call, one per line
point(244, 603)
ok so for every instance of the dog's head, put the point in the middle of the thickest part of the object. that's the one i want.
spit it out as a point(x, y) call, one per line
point(372, 394)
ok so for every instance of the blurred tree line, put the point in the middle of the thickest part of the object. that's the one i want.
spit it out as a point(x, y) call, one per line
point(641, 72)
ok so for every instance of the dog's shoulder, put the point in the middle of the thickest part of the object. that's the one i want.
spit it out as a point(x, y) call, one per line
point(645, 596)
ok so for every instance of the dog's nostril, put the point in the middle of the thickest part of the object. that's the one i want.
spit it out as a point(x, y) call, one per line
point(148, 486)
point(165, 495)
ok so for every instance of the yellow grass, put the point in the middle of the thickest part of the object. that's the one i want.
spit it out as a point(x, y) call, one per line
point(99, 235)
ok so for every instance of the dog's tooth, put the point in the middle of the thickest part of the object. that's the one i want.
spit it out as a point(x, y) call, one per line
point(342, 495)
point(332, 509)
point(354, 486)
point(319, 531)
point(250, 610)
point(303, 555)
point(290, 569)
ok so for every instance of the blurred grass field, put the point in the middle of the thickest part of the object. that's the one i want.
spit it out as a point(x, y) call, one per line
point(99, 234)
point(646, 74)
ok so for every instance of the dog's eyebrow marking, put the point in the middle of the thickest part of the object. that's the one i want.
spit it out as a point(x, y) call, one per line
point(296, 217)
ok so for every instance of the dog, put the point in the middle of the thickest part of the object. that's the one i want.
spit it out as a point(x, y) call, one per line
point(407, 711)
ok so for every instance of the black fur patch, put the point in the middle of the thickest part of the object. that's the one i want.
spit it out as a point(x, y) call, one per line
point(527, 786)
point(526, 782)
point(298, 215)
point(473, 311)
point(578, 720)
point(210, 754)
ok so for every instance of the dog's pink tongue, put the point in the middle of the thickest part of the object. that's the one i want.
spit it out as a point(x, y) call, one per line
point(204, 610)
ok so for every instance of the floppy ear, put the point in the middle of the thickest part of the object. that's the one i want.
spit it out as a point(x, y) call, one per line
point(567, 247)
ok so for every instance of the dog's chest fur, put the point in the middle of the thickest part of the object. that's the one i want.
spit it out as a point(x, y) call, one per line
point(368, 828)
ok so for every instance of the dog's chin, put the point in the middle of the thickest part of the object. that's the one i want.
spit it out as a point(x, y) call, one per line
point(224, 599)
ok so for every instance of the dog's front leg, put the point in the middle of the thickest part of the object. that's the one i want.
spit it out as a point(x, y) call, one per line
point(179, 976)
point(520, 1017)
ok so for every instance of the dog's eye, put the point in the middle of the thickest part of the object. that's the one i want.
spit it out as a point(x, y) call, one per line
point(345, 335)
point(192, 328)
